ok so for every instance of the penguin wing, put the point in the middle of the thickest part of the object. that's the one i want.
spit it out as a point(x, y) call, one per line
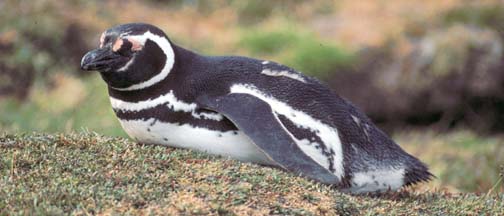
point(257, 120)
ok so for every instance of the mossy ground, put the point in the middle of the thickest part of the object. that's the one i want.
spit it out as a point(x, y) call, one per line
point(87, 173)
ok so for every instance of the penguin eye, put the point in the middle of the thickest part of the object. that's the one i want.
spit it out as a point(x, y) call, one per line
point(123, 47)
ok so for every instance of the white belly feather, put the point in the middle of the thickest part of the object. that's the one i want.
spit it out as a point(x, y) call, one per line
point(231, 143)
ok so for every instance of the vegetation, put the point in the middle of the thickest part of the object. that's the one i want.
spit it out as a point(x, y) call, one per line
point(298, 50)
point(479, 15)
point(461, 161)
point(87, 173)
point(438, 67)
point(71, 105)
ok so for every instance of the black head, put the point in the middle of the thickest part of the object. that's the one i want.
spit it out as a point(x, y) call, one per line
point(131, 56)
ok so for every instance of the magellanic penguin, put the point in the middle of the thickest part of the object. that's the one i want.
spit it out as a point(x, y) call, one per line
point(248, 109)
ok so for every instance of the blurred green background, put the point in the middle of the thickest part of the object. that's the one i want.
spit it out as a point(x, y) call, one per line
point(429, 72)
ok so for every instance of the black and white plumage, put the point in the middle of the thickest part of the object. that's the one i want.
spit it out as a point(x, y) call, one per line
point(248, 109)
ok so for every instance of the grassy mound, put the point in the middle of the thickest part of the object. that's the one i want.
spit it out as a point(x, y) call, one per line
point(91, 174)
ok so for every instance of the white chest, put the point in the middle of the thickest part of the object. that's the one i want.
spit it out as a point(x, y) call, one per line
point(232, 144)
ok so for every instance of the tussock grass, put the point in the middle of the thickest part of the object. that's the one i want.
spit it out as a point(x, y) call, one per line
point(87, 173)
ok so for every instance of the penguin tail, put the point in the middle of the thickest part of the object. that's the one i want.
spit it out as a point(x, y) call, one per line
point(417, 174)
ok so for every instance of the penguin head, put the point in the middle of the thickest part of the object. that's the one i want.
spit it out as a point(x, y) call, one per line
point(131, 56)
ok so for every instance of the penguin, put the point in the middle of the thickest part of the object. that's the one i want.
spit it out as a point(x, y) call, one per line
point(251, 110)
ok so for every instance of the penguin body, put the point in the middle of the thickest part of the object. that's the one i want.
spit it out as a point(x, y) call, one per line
point(252, 110)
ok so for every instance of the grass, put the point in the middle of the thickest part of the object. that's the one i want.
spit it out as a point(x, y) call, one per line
point(489, 15)
point(269, 43)
point(69, 105)
point(462, 161)
point(304, 52)
point(87, 173)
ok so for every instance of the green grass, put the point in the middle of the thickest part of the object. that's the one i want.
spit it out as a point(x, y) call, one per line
point(462, 161)
point(269, 43)
point(490, 15)
point(319, 59)
point(73, 104)
point(87, 173)
point(304, 52)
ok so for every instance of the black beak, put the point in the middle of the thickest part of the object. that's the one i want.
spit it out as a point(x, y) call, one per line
point(99, 59)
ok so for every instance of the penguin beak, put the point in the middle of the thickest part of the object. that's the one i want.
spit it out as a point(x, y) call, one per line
point(100, 59)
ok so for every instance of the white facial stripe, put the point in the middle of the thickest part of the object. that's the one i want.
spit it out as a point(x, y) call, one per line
point(102, 39)
point(135, 45)
point(124, 34)
point(126, 66)
point(172, 103)
point(377, 180)
point(327, 134)
point(283, 73)
point(170, 58)
point(231, 143)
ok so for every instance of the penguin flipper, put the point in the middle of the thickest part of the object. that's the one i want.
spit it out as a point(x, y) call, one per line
point(257, 120)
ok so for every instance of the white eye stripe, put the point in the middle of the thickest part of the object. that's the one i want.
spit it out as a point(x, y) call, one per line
point(141, 39)
point(135, 44)
point(165, 45)
point(102, 39)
